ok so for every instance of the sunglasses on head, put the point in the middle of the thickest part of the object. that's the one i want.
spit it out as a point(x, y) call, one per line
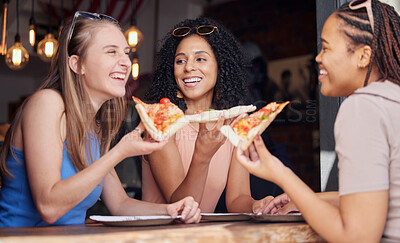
point(87, 15)
point(200, 30)
point(357, 4)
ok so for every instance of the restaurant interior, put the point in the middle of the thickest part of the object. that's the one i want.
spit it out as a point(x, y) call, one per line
point(279, 38)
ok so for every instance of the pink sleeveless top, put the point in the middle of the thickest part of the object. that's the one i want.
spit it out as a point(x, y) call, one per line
point(217, 174)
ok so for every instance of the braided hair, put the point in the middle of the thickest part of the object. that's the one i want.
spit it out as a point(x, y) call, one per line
point(384, 40)
point(230, 88)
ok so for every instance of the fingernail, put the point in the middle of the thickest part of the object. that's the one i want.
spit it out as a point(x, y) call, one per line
point(259, 213)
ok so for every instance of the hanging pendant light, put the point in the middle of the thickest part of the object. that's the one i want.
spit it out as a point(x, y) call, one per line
point(17, 57)
point(48, 46)
point(3, 44)
point(133, 35)
point(135, 68)
point(32, 32)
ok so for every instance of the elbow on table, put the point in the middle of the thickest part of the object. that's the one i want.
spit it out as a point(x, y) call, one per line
point(49, 214)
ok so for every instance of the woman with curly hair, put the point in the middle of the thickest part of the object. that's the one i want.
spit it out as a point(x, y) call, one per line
point(200, 66)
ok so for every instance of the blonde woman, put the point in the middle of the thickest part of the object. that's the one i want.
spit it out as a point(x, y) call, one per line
point(56, 160)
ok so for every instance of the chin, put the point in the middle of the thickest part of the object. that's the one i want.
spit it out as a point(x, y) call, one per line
point(327, 92)
point(118, 94)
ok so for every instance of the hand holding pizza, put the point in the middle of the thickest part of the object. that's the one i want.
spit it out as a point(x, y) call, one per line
point(132, 144)
point(260, 162)
point(249, 127)
point(161, 119)
point(209, 141)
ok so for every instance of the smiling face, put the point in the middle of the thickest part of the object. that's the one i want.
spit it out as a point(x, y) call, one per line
point(339, 72)
point(195, 69)
point(106, 66)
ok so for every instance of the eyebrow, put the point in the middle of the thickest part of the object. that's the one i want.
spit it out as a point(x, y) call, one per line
point(197, 52)
point(324, 41)
point(115, 46)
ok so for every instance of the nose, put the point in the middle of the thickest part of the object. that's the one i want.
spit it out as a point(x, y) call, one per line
point(318, 58)
point(190, 66)
point(125, 61)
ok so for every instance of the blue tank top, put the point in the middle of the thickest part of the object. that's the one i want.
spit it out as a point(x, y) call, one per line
point(17, 208)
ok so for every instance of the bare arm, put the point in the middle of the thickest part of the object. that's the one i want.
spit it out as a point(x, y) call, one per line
point(118, 203)
point(360, 218)
point(166, 165)
point(238, 193)
point(41, 136)
point(282, 204)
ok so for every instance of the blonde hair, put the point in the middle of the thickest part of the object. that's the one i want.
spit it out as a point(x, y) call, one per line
point(78, 109)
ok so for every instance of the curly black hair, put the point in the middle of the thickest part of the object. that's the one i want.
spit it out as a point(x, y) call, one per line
point(231, 85)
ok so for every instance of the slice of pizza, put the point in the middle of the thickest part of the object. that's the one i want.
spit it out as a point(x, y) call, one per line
point(248, 128)
point(160, 119)
point(203, 116)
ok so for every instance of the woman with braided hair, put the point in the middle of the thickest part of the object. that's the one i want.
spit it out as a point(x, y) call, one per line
point(359, 59)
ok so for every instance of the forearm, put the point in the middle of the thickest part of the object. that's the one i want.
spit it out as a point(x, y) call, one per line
point(133, 207)
point(66, 194)
point(194, 181)
point(328, 224)
point(241, 204)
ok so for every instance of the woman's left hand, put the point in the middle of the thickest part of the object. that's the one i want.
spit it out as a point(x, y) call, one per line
point(280, 205)
point(188, 208)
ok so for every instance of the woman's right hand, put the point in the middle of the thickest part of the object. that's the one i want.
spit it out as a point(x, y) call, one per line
point(209, 141)
point(132, 144)
point(259, 161)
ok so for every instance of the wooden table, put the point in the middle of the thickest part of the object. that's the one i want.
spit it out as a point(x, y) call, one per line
point(207, 232)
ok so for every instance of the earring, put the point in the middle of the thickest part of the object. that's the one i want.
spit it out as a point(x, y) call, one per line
point(179, 94)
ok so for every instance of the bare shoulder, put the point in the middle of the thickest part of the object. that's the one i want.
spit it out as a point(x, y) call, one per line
point(47, 96)
point(42, 115)
point(44, 105)
point(45, 100)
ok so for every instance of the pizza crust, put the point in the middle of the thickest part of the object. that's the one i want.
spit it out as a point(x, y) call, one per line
point(235, 139)
point(213, 115)
point(152, 130)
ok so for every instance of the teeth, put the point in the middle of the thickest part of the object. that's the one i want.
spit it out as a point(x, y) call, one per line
point(323, 72)
point(192, 80)
point(117, 75)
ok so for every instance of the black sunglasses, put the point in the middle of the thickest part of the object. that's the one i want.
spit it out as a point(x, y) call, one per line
point(87, 15)
point(200, 30)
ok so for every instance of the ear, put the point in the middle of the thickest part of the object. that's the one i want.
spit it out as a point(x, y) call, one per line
point(365, 54)
point(73, 63)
